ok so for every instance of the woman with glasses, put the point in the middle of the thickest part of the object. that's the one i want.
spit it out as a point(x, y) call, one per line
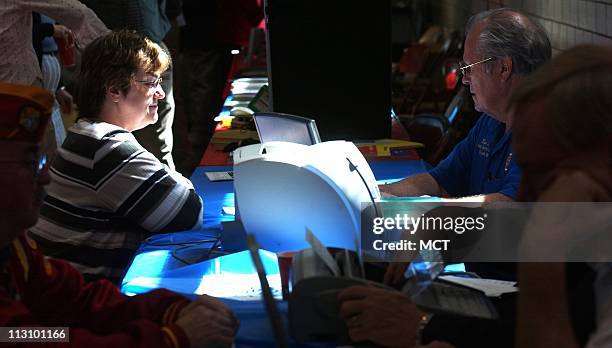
point(107, 192)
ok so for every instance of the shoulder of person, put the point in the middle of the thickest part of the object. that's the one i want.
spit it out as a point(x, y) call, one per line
point(574, 186)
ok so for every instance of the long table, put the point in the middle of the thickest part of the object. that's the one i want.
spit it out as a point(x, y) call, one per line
point(176, 260)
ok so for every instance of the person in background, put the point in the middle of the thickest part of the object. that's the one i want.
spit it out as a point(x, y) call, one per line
point(18, 63)
point(109, 193)
point(563, 142)
point(37, 291)
point(501, 48)
point(44, 34)
point(212, 30)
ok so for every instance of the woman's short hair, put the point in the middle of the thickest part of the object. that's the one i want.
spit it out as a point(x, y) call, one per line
point(113, 60)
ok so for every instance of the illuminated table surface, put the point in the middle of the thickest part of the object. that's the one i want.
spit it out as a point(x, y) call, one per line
point(174, 260)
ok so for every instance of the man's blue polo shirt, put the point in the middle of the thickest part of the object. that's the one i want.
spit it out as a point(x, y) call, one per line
point(482, 163)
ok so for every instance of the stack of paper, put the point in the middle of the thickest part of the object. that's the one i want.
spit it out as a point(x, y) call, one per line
point(491, 287)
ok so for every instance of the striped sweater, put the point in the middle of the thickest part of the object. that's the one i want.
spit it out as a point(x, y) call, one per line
point(107, 194)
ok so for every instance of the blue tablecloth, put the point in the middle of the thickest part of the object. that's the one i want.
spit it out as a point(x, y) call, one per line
point(159, 260)
point(220, 194)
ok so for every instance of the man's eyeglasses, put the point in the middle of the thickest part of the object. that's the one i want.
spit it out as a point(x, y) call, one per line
point(37, 165)
point(151, 84)
point(466, 69)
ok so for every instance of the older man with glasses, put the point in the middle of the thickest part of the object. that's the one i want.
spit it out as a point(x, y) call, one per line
point(502, 47)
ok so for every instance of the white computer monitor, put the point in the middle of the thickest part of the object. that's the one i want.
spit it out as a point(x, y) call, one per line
point(283, 188)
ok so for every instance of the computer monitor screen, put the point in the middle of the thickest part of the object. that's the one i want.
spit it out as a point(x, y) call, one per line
point(284, 127)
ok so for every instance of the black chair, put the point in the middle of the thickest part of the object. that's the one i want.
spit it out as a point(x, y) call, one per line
point(428, 129)
point(440, 132)
point(428, 91)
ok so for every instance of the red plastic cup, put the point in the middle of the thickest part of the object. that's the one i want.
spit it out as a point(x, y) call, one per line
point(67, 55)
point(284, 267)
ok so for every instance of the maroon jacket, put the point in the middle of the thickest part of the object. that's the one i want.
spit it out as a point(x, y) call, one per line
point(40, 291)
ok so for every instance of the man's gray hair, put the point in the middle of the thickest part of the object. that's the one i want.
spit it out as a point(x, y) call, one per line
point(511, 33)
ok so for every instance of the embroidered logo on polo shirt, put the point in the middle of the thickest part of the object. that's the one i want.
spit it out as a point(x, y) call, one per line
point(507, 164)
point(483, 148)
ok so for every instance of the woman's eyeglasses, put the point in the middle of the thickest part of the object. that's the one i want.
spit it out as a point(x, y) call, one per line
point(151, 84)
point(466, 69)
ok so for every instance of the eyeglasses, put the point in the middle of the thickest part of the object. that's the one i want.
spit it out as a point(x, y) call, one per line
point(37, 165)
point(151, 84)
point(466, 69)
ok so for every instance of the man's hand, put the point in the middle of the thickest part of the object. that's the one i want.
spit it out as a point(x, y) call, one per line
point(208, 322)
point(386, 190)
point(384, 194)
point(414, 186)
point(384, 317)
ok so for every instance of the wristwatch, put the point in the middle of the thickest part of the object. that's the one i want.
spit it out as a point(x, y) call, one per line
point(425, 318)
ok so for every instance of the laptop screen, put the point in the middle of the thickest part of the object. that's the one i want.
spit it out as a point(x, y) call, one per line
point(283, 127)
